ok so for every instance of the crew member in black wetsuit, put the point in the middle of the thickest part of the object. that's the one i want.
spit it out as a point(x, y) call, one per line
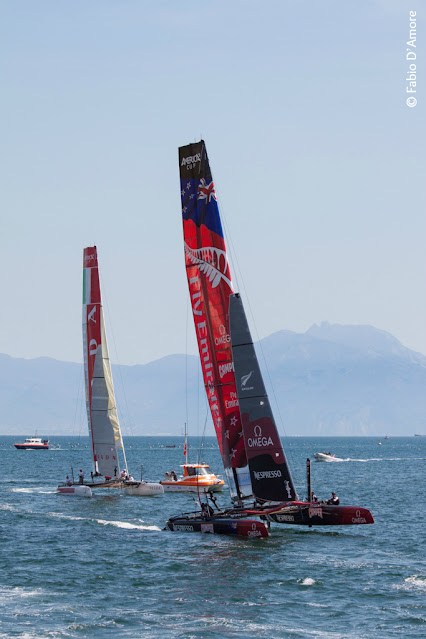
point(334, 501)
point(207, 510)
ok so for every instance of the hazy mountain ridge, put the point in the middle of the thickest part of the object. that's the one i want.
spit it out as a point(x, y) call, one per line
point(331, 380)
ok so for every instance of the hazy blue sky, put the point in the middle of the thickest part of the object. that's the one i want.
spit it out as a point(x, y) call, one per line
point(318, 162)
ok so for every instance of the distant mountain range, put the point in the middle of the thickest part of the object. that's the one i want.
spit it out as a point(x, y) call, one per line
point(331, 380)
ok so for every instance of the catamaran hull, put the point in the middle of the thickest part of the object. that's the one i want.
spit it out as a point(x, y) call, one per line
point(144, 489)
point(322, 515)
point(176, 487)
point(220, 526)
point(76, 491)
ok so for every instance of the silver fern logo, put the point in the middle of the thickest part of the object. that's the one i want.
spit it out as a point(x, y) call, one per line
point(211, 261)
point(245, 379)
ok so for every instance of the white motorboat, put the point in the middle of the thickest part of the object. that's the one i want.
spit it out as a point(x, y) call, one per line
point(327, 457)
point(33, 443)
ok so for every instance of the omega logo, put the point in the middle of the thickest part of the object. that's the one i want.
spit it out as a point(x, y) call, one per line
point(258, 441)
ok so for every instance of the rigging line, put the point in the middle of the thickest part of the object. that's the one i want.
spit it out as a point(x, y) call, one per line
point(202, 438)
point(79, 403)
point(127, 419)
point(234, 259)
point(186, 359)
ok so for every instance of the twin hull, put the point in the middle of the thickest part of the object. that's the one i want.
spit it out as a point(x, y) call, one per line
point(141, 489)
point(183, 487)
point(218, 525)
point(314, 514)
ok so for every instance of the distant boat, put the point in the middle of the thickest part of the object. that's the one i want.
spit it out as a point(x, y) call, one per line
point(33, 443)
point(102, 415)
point(386, 437)
point(327, 457)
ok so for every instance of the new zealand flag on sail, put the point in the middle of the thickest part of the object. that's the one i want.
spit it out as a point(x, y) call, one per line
point(210, 286)
point(199, 204)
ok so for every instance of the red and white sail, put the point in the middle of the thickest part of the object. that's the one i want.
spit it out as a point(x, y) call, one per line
point(210, 286)
point(102, 415)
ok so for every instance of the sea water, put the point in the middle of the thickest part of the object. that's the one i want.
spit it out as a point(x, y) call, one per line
point(104, 567)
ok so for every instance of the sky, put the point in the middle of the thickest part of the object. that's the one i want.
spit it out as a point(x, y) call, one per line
point(318, 163)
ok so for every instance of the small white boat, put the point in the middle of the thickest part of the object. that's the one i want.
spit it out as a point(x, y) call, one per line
point(327, 457)
point(33, 443)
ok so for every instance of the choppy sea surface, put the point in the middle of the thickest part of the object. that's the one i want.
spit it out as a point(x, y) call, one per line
point(104, 567)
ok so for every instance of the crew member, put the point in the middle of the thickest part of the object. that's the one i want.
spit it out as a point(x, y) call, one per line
point(173, 475)
point(207, 510)
point(68, 481)
point(81, 476)
point(334, 501)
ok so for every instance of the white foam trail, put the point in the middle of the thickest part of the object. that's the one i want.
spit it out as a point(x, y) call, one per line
point(126, 524)
point(308, 581)
point(104, 522)
point(7, 507)
point(33, 490)
point(382, 459)
point(12, 593)
point(70, 517)
point(416, 581)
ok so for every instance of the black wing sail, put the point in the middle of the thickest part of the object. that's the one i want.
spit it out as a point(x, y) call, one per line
point(270, 475)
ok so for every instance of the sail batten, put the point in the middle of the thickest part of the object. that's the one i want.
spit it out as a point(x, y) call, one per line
point(210, 286)
point(102, 415)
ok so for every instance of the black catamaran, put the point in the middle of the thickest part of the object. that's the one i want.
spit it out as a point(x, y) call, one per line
point(256, 468)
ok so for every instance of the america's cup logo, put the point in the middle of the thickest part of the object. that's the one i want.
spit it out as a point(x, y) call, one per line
point(212, 261)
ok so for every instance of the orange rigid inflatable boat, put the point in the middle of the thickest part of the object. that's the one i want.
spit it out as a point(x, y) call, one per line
point(195, 478)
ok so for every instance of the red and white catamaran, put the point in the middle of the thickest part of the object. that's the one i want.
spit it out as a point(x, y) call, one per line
point(101, 408)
